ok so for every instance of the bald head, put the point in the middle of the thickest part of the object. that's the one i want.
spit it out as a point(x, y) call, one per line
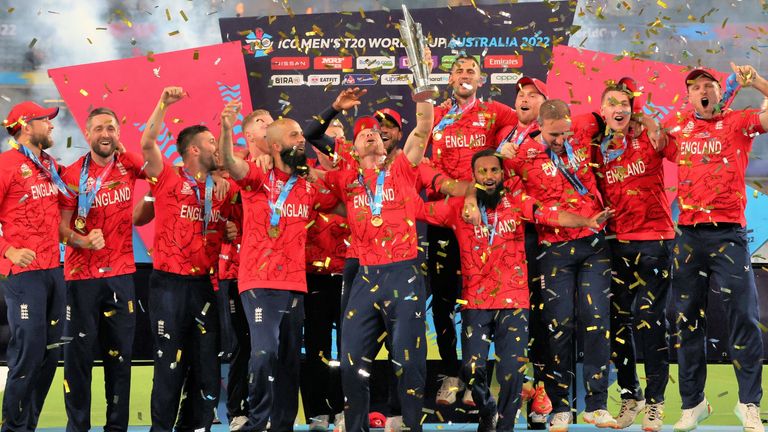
point(276, 132)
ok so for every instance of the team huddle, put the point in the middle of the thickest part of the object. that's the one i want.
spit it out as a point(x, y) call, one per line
point(543, 227)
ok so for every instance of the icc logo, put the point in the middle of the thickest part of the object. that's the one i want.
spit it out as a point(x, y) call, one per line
point(258, 43)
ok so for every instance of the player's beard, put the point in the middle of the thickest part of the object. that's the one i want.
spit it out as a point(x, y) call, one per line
point(489, 199)
point(41, 141)
point(295, 159)
point(99, 150)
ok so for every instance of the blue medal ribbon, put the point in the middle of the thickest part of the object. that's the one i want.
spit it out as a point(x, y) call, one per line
point(572, 178)
point(50, 172)
point(491, 228)
point(520, 137)
point(610, 155)
point(85, 197)
point(274, 218)
point(451, 116)
point(375, 199)
point(208, 203)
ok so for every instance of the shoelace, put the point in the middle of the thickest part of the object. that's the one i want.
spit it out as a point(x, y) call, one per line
point(624, 407)
point(654, 412)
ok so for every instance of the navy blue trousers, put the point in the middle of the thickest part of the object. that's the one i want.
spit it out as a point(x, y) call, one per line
point(719, 254)
point(320, 381)
point(185, 334)
point(351, 266)
point(575, 283)
point(385, 301)
point(35, 301)
point(444, 272)
point(275, 318)
point(508, 330)
point(236, 346)
point(639, 293)
point(100, 318)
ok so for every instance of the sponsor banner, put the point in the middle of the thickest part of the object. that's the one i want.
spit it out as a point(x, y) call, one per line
point(375, 62)
point(505, 78)
point(332, 62)
point(323, 80)
point(396, 79)
point(373, 56)
point(404, 63)
point(286, 80)
point(439, 79)
point(503, 61)
point(289, 63)
point(360, 79)
point(210, 75)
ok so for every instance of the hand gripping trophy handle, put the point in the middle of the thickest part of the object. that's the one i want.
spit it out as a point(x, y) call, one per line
point(415, 45)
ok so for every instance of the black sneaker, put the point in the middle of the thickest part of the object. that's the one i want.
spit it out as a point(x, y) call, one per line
point(488, 423)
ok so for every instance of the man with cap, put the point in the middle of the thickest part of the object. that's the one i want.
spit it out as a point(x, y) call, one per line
point(628, 161)
point(531, 93)
point(387, 294)
point(391, 126)
point(32, 282)
point(468, 126)
point(98, 267)
point(384, 121)
point(713, 145)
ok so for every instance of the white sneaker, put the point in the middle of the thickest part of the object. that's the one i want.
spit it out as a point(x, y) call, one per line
point(237, 423)
point(319, 423)
point(537, 421)
point(691, 417)
point(600, 418)
point(654, 417)
point(467, 399)
point(394, 424)
point(338, 423)
point(629, 411)
point(560, 422)
point(447, 393)
point(749, 414)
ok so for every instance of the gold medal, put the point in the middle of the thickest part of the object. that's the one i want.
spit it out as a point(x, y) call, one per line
point(80, 223)
point(273, 231)
point(437, 135)
point(377, 221)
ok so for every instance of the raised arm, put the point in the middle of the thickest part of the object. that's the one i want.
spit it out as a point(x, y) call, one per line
point(153, 159)
point(237, 167)
point(747, 76)
point(144, 211)
point(315, 130)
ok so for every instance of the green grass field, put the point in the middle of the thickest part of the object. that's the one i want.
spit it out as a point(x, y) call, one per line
point(721, 392)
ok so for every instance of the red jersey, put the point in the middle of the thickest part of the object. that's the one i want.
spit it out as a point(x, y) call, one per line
point(111, 212)
point(395, 239)
point(29, 212)
point(631, 183)
point(180, 246)
point(429, 180)
point(544, 181)
point(279, 262)
point(494, 275)
point(229, 258)
point(473, 129)
point(712, 157)
point(327, 244)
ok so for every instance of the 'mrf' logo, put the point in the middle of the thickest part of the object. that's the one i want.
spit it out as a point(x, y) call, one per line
point(258, 43)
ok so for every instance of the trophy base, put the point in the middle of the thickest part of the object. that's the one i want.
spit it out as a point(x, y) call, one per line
point(424, 93)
